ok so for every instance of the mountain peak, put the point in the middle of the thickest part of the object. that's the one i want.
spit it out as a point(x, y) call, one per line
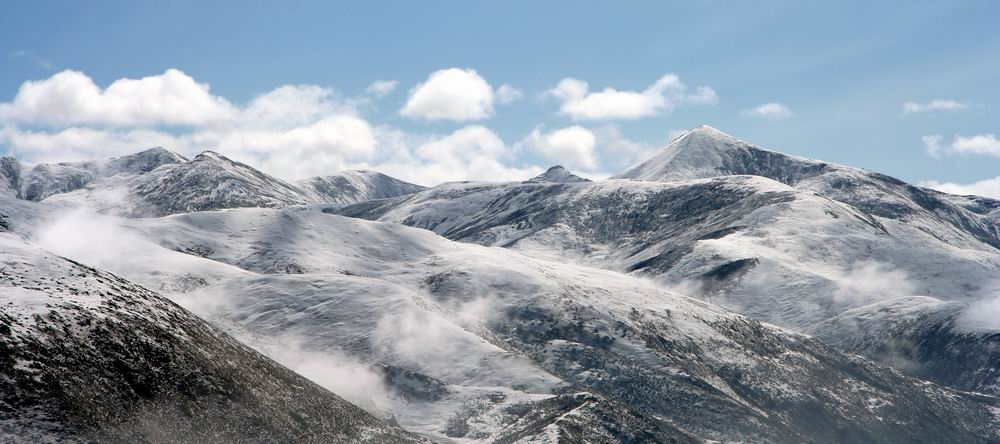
point(705, 152)
point(558, 174)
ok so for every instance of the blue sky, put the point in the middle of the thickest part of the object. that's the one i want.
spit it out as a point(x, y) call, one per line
point(841, 72)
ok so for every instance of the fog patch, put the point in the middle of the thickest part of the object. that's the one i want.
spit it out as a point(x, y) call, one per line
point(983, 313)
point(349, 378)
point(80, 234)
point(871, 281)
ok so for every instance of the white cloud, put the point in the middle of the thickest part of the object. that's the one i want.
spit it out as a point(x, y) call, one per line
point(289, 106)
point(985, 187)
point(451, 94)
point(473, 152)
point(71, 97)
point(933, 105)
point(381, 88)
point(619, 151)
point(983, 144)
point(293, 131)
point(869, 281)
point(507, 94)
point(770, 111)
point(668, 92)
point(980, 144)
point(933, 144)
point(33, 57)
point(81, 143)
point(572, 147)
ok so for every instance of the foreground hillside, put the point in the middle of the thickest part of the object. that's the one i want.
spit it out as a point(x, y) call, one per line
point(86, 355)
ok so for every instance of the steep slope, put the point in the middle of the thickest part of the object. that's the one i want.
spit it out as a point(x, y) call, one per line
point(86, 355)
point(348, 187)
point(923, 337)
point(485, 320)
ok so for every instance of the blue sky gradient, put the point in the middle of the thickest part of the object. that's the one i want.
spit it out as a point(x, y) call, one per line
point(844, 69)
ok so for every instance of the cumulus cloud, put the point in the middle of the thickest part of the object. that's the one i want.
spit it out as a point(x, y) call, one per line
point(572, 147)
point(381, 88)
point(933, 105)
point(986, 187)
point(773, 111)
point(579, 103)
point(451, 94)
point(293, 131)
point(71, 97)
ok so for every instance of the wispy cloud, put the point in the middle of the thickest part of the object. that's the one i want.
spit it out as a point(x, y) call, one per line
point(933, 105)
point(382, 88)
point(33, 57)
point(773, 111)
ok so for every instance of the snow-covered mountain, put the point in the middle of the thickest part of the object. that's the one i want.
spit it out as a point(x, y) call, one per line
point(821, 240)
point(707, 152)
point(486, 343)
point(158, 182)
point(87, 356)
point(581, 325)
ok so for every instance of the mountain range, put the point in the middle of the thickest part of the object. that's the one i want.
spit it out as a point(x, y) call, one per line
point(717, 291)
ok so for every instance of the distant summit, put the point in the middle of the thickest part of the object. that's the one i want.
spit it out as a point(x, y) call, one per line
point(558, 174)
point(706, 152)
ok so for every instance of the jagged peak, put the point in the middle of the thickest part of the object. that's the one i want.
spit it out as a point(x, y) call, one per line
point(558, 174)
